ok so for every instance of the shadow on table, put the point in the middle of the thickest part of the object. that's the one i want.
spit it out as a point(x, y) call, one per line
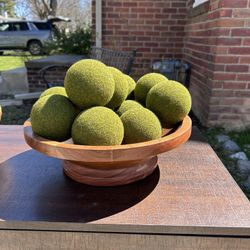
point(33, 187)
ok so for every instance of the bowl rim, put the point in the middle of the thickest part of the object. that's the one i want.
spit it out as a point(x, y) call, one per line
point(183, 129)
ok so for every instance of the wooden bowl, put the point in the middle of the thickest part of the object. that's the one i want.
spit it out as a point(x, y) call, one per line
point(109, 165)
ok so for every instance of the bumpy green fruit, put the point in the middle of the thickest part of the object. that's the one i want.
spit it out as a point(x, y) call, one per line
point(170, 101)
point(145, 83)
point(89, 83)
point(54, 91)
point(98, 126)
point(52, 117)
point(131, 83)
point(127, 105)
point(121, 88)
point(140, 125)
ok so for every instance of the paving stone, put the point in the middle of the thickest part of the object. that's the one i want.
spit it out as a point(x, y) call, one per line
point(243, 168)
point(239, 156)
point(231, 146)
point(222, 138)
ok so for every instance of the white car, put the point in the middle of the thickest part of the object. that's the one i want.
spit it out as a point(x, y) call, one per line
point(27, 35)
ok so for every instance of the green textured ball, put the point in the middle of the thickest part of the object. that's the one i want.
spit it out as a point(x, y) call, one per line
point(145, 83)
point(170, 101)
point(140, 125)
point(54, 91)
point(89, 83)
point(131, 84)
point(121, 88)
point(52, 117)
point(98, 126)
point(127, 105)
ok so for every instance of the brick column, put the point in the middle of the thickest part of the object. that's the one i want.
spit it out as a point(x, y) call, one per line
point(218, 48)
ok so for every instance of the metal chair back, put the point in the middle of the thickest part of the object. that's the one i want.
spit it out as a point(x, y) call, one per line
point(119, 59)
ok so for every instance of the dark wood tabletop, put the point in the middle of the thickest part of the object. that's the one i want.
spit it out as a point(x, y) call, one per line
point(191, 192)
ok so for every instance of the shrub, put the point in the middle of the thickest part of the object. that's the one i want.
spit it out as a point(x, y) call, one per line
point(73, 42)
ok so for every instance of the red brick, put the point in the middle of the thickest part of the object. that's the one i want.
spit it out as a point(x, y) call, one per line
point(226, 59)
point(146, 16)
point(234, 85)
point(246, 41)
point(245, 59)
point(230, 23)
point(239, 50)
point(240, 32)
point(225, 13)
point(243, 13)
point(178, 4)
point(228, 41)
point(114, 3)
point(243, 93)
point(233, 4)
point(243, 77)
point(223, 93)
point(224, 76)
point(145, 4)
point(138, 10)
point(237, 68)
point(130, 4)
point(169, 10)
point(220, 32)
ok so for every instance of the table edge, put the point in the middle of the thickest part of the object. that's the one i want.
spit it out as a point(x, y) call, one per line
point(127, 228)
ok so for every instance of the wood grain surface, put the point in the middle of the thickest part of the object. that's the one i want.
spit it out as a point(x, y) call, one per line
point(16, 240)
point(190, 192)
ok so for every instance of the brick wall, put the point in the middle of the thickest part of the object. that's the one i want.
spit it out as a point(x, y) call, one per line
point(35, 81)
point(213, 37)
point(154, 28)
point(218, 48)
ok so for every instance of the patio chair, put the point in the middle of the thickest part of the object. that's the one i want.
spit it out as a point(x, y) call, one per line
point(119, 59)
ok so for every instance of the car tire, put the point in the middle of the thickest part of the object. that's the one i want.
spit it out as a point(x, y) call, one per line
point(35, 48)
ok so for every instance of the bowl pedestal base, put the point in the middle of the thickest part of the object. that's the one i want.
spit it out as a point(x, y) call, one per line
point(121, 174)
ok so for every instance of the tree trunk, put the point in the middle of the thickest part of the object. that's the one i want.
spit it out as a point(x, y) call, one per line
point(53, 7)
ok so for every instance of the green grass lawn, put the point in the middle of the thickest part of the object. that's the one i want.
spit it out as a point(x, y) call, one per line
point(12, 60)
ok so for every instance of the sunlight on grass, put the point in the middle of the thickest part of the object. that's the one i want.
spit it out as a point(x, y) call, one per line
point(12, 60)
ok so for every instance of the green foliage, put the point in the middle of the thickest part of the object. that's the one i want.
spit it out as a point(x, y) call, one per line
point(74, 42)
point(7, 6)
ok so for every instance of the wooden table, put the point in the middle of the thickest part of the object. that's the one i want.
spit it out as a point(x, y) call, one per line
point(189, 202)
